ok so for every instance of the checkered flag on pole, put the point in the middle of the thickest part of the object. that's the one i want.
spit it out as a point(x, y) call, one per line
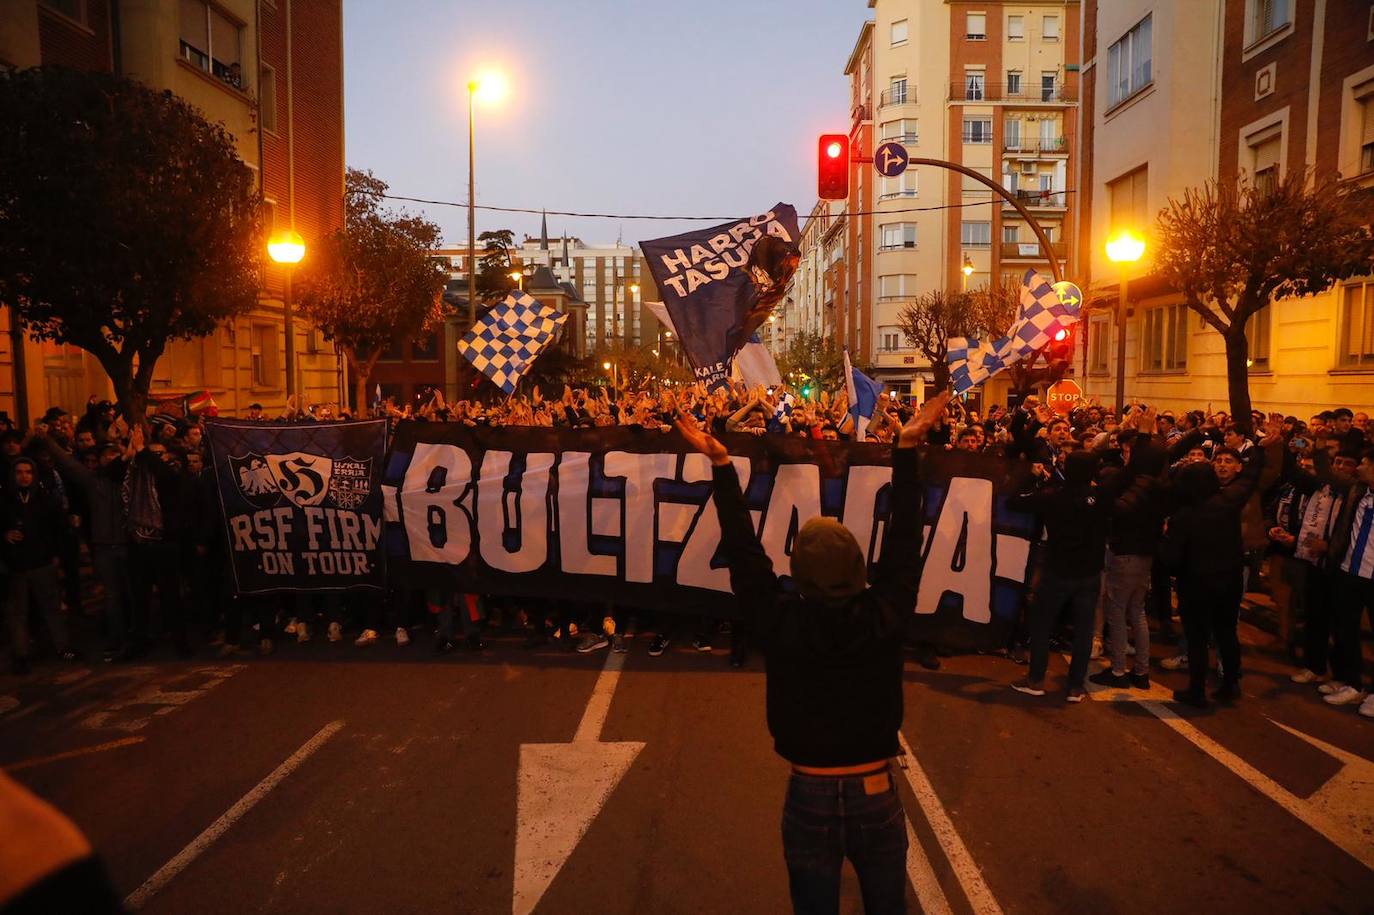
point(1042, 316)
point(504, 343)
point(971, 363)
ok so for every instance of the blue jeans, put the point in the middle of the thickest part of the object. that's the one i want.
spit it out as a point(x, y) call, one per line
point(827, 819)
point(1051, 597)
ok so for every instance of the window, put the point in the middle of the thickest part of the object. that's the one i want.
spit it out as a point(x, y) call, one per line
point(1367, 135)
point(899, 32)
point(269, 216)
point(977, 27)
point(263, 349)
point(975, 85)
point(891, 339)
point(903, 131)
point(267, 98)
point(899, 235)
point(1257, 335)
point(896, 94)
point(1050, 28)
point(72, 9)
point(210, 41)
point(1268, 16)
point(1128, 196)
point(1011, 234)
point(424, 348)
point(978, 130)
point(1099, 344)
point(975, 234)
point(1164, 339)
point(1047, 86)
point(1264, 161)
point(904, 185)
point(896, 285)
point(1011, 133)
point(1013, 82)
point(1129, 63)
point(1357, 325)
point(1016, 28)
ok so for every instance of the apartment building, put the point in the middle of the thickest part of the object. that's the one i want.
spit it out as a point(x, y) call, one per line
point(809, 305)
point(272, 73)
point(1243, 90)
point(992, 86)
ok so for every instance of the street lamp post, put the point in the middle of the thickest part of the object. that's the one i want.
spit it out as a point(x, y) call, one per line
point(519, 279)
point(1125, 249)
point(614, 369)
point(287, 248)
point(966, 270)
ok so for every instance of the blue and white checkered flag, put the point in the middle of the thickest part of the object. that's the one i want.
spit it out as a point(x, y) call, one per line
point(508, 338)
point(1042, 316)
point(971, 363)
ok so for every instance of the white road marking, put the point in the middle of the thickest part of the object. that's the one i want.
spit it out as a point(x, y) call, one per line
point(980, 898)
point(72, 754)
point(560, 789)
point(929, 893)
point(200, 843)
point(1349, 794)
point(1313, 812)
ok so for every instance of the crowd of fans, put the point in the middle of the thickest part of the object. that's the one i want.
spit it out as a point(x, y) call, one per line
point(99, 516)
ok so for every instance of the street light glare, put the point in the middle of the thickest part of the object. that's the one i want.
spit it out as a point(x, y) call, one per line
point(515, 275)
point(489, 87)
point(634, 288)
point(286, 247)
point(606, 366)
point(1125, 248)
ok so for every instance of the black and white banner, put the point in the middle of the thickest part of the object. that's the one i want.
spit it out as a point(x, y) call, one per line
point(302, 503)
point(625, 516)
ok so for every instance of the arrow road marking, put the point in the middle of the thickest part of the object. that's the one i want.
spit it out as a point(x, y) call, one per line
point(560, 789)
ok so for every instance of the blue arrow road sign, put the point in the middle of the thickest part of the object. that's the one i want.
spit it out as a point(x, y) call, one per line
point(1069, 294)
point(890, 159)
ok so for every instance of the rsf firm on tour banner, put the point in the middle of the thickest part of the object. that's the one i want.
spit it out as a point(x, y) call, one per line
point(302, 503)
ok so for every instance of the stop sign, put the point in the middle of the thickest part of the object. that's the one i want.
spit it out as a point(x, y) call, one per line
point(1063, 396)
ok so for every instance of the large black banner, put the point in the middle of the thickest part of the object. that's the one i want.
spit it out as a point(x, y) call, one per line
point(302, 503)
point(620, 515)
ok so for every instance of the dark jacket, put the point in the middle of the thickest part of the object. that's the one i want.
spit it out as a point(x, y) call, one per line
point(1076, 517)
point(1204, 535)
point(37, 515)
point(104, 502)
point(834, 674)
point(1143, 503)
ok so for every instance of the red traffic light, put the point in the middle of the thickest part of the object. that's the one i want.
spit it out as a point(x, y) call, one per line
point(832, 167)
point(1061, 335)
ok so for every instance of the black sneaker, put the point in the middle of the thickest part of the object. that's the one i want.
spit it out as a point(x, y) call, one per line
point(1226, 693)
point(1107, 677)
point(658, 645)
point(1140, 681)
point(473, 642)
point(701, 644)
point(925, 656)
point(443, 646)
point(1188, 697)
point(1075, 694)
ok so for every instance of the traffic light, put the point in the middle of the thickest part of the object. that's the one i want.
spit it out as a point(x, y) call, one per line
point(1059, 352)
point(832, 167)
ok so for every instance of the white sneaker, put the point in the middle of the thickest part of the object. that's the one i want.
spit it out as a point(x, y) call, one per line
point(291, 626)
point(302, 632)
point(1346, 695)
point(335, 632)
point(1177, 662)
point(402, 637)
point(366, 637)
point(1306, 676)
point(1367, 707)
point(1327, 689)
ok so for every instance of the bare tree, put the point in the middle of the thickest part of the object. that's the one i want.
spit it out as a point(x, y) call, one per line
point(1233, 248)
point(931, 319)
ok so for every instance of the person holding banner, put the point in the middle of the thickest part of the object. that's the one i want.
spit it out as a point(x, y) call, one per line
point(833, 647)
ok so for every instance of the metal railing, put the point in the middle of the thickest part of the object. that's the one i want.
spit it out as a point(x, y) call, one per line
point(1038, 198)
point(963, 91)
point(1035, 144)
point(905, 96)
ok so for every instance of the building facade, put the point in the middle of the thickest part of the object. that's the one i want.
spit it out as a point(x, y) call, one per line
point(809, 305)
point(1245, 90)
point(272, 74)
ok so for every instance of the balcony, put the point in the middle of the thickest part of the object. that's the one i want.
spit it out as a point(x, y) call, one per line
point(891, 97)
point(1036, 146)
point(860, 114)
point(1039, 200)
point(1013, 92)
point(1032, 250)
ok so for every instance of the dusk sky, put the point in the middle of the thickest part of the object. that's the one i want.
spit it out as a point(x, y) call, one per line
point(614, 106)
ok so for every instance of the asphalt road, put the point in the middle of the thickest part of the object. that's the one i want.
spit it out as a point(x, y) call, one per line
point(328, 778)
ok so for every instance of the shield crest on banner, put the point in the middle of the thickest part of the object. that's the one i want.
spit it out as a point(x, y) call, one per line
point(351, 482)
point(254, 480)
point(303, 478)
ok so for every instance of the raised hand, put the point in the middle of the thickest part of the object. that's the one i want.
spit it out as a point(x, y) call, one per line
point(702, 440)
point(914, 432)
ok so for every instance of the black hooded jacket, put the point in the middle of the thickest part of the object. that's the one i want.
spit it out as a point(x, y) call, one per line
point(1075, 515)
point(36, 514)
point(834, 673)
point(1204, 537)
point(1139, 511)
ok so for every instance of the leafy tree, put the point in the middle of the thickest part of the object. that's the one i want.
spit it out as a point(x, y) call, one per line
point(1231, 249)
point(930, 320)
point(639, 366)
point(126, 220)
point(373, 281)
point(494, 266)
point(815, 356)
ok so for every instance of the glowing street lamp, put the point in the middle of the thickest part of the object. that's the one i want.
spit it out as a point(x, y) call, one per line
point(967, 270)
point(490, 87)
point(518, 278)
point(288, 248)
point(1125, 248)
